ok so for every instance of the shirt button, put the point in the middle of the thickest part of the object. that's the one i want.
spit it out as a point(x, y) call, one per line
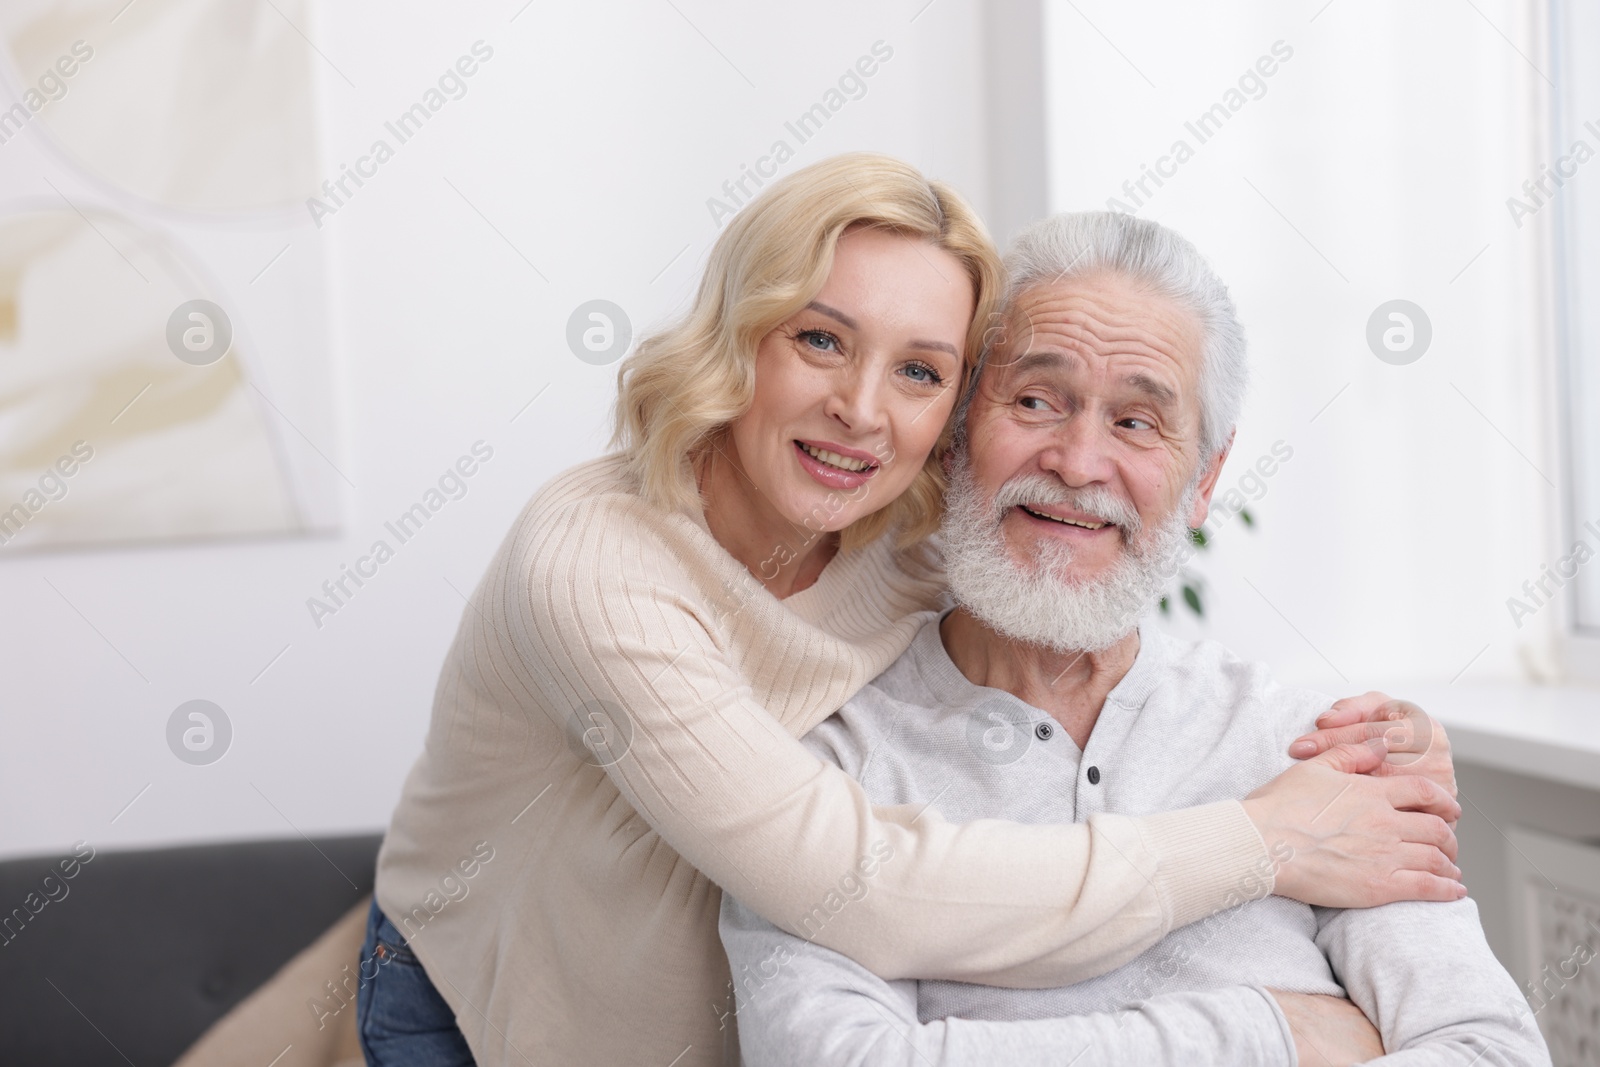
point(1043, 731)
point(1094, 775)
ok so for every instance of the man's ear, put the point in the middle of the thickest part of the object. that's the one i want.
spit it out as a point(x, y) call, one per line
point(1208, 483)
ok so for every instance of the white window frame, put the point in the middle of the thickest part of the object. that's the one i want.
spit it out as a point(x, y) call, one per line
point(1573, 39)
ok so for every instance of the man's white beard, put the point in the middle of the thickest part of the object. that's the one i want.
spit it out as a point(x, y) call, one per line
point(1033, 602)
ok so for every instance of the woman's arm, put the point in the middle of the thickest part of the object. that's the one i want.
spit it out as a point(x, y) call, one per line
point(603, 617)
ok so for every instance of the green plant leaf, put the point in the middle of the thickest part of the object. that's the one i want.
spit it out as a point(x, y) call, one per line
point(1166, 608)
point(1198, 536)
point(1191, 597)
point(1249, 519)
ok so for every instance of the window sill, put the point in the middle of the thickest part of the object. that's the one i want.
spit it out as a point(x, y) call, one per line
point(1550, 732)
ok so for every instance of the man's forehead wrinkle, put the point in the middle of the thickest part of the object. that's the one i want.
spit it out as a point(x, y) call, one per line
point(1070, 348)
point(1067, 302)
point(1094, 328)
point(1066, 320)
point(1071, 353)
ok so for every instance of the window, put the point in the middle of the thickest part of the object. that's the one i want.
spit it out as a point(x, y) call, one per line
point(1575, 144)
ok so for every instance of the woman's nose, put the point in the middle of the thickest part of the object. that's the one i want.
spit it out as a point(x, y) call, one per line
point(857, 401)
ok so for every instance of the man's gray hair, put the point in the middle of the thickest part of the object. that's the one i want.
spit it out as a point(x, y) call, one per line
point(1077, 244)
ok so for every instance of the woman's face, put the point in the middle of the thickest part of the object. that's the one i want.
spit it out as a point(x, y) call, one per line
point(852, 393)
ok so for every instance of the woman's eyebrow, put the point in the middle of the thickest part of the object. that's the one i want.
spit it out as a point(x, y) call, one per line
point(839, 316)
point(834, 313)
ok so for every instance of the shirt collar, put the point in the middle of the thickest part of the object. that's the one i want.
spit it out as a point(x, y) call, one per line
point(948, 689)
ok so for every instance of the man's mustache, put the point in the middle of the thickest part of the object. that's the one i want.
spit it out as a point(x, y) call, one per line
point(1035, 489)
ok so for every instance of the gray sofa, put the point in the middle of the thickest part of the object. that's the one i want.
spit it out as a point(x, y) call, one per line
point(141, 951)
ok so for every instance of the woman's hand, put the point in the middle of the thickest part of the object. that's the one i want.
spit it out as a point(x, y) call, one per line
point(1328, 1031)
point(1417, 743)
point(1344, 837)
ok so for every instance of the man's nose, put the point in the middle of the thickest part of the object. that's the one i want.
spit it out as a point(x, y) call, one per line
point(1079, 450)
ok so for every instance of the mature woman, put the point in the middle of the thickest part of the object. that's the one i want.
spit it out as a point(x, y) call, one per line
point(614, 732)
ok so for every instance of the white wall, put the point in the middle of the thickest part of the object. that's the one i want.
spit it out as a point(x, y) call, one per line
point(1375, 165)
point(591, 141)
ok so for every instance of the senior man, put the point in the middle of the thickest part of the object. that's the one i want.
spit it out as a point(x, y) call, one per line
point(1089, 447)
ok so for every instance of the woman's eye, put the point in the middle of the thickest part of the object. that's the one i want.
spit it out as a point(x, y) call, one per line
point(922, 374)
point(819, 340)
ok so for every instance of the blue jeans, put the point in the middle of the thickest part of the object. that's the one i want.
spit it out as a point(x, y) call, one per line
point(403, 1020)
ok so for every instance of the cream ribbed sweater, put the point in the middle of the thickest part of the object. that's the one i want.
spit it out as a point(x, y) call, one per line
point(589, 934)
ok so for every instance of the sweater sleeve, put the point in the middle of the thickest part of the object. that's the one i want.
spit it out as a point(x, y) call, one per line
point(1424, 974)
point(611, 631)
point(801, 1004)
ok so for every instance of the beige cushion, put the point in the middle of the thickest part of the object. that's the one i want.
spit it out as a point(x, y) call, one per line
point(296, 1020)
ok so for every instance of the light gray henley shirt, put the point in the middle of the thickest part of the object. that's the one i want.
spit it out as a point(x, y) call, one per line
point(1189, 724)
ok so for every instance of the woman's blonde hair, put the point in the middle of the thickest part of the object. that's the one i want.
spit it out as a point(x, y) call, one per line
point(682, 387)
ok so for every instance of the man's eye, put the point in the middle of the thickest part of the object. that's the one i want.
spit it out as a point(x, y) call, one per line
point(1034, 403)
point(820, 340)
point(1134, 423)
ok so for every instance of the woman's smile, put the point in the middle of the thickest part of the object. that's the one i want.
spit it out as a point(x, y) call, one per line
point(834, 466)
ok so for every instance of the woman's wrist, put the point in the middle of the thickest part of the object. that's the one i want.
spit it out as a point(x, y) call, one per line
point(1208, 859)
